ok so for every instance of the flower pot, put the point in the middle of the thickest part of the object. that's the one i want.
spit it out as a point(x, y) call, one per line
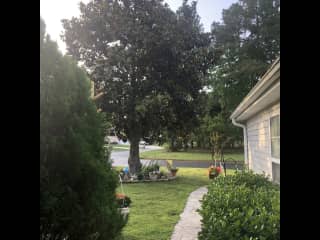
point(213, 176)
point(126, 177)
point(124, 212)
point(174, 172)
point(153, 176)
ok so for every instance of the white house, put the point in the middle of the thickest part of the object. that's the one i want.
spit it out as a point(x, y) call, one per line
point(259, 116)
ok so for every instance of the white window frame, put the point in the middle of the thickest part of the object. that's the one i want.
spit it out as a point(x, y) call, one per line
point(275, 160)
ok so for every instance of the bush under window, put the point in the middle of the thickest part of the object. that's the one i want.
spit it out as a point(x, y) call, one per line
point(243, 206)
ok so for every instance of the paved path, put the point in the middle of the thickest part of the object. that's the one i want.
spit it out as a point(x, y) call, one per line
point(190, 221)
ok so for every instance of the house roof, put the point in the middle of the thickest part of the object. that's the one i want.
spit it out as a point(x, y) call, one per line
point(265, 93)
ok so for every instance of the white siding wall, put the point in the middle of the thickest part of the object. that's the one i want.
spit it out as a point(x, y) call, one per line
point(259, 149)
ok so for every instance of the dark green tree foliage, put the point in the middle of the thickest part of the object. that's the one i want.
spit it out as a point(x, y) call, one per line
point(195, 57)
point(147, 60)
point(248, 41)
point(77, 185)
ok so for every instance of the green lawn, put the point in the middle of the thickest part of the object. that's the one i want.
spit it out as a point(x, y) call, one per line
point(120, 147)
point(156, 207)
point(192, 155)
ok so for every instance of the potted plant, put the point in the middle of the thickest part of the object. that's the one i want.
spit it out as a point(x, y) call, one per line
point(162, 175)
point(134, 177)
point(156, 167)
point(124, 174)
point(213, 171)
point(140, 176)
point(150, 171)
point(172, 170)
point(153, 175)
point(123, 202)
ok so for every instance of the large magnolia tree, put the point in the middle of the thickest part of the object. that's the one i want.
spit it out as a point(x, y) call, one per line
point(147, 61)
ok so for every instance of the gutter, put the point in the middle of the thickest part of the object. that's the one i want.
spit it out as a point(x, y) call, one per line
point(262, 86)
point(245, 139)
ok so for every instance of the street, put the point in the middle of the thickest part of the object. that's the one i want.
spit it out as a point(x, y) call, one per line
point(121, 158)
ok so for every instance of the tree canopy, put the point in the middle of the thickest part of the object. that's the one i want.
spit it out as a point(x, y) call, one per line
point(148, 60)
point(248, 41)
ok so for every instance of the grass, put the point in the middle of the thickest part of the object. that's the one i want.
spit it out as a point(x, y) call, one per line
point(120, 148)
point(190, 155)
point(156, 207)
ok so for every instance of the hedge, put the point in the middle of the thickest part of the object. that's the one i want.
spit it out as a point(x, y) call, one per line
point(242, 206)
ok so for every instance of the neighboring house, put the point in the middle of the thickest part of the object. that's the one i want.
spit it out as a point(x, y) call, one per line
point(259, 116)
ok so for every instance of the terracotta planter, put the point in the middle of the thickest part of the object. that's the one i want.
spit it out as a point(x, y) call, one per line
point(174, 172)
point(213, 176)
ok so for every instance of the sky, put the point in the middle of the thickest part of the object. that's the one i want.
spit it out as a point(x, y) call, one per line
point(53, 11)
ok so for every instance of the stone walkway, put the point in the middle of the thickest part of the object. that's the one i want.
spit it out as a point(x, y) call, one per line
point(190, 221)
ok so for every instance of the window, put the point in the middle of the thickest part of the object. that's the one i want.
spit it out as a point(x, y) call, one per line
point(276, 172)
point(275, 136)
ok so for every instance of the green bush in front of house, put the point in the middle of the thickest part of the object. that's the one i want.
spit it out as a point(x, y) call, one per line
point(250, 180)
point(242, 206)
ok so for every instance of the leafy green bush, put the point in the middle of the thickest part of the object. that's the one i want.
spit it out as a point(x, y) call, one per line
point(166, 146)
point(251, 180)
point(140, 176)
point(243, 206)
point(77, 184)
point(162, 173)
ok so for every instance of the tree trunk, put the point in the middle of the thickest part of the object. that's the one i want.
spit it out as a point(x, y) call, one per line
point(172, 146)
point(134, 159)
point(185, 144)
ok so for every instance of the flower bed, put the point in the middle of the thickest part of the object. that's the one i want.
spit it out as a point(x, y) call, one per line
point(149, 173)
point(149, 180)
